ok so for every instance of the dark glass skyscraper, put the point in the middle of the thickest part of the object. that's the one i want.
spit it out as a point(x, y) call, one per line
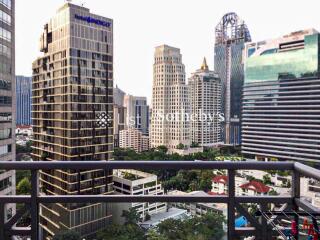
point(231, 35)
point(24, 93)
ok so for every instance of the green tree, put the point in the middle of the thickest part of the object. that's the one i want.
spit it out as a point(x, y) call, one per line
point(193, 186)
point(180, 146)
point(24, 187)
point(250, 178)
point(194, 144)
point(20, 174)
point(267, 179)
point(129, 231)
point(67, 235)
point(206, 227)
point(122, 232)
point(131, 216)
point(206, 180)
point(171, 229)
point(162, 149)
point(154, 235)
point(273, 192)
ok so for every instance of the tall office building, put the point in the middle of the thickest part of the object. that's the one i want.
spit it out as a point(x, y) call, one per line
point(119, 114)
point(170, 100)
point(72, 115)
point(7, 99)
point(118, 96)
point(137, 113)
point(231, 35)
point(23, 93)
point(205, 94)
point(281, 111)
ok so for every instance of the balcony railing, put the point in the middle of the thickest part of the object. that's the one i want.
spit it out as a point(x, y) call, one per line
point(259, 228)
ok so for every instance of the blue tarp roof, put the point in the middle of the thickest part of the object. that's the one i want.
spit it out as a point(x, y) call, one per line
point(241, 222)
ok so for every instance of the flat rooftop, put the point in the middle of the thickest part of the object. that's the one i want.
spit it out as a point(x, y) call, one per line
point(175, 213)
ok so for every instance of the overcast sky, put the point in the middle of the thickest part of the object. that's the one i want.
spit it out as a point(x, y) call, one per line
point(141, 25)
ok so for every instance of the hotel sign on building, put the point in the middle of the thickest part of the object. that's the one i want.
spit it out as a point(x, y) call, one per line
point(92, 20)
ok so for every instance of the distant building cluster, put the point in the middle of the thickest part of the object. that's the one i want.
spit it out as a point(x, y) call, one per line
point(131, 121)
point(184, 115)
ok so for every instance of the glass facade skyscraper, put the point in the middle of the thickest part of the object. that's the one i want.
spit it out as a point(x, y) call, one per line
point(23, 93)
point(281, 109)
point(137, 111)
point(231, 34)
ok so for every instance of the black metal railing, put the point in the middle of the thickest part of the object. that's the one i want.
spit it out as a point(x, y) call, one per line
point(258, 228)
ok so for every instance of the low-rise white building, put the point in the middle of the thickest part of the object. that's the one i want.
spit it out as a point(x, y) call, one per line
point(243, 187)
point(220, 185)
point(171, 213)
point(24, 130)
point(276, 179)
point(133, 182)
point(254, 188)
point(310, 191)
point(198, 209)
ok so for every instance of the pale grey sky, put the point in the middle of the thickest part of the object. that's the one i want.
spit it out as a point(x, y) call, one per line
point(141, 25)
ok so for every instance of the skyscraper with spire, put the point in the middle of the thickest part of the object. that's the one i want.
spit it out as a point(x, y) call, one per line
point(231, 35)
point(205, 94)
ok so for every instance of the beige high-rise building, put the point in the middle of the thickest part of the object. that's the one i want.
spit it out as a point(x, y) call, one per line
point(134, 139)
point(205, 94)
point(170, 125)
point(72, 115)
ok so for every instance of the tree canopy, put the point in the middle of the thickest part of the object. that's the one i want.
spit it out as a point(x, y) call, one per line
point(24, 186)
point(67, 235)
point(206, 227)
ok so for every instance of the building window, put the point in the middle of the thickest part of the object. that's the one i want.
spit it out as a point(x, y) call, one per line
point(4, 17)
point(5, 117)
point(6, 3)
point(5, 133)
point(4, 100)
point(5, 34)
point(5, 149)
point(5, 183)
point(5, 51)
point(5, 84)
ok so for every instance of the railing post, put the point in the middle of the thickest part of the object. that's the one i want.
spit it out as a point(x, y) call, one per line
point(34, 205)
point(2, 221)
point(231, 204)
point(295, 188)
point(264, 232)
